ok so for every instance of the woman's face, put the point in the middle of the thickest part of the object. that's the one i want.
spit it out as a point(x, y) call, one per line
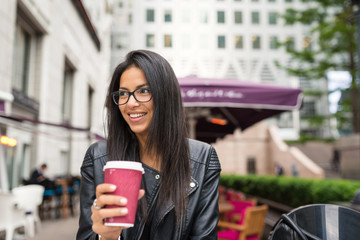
point(137, 115)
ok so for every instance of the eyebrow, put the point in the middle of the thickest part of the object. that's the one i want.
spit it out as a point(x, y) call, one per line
point(140, 86)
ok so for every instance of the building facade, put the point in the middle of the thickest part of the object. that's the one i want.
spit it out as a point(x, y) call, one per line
point(54, 69)
point(217, 39)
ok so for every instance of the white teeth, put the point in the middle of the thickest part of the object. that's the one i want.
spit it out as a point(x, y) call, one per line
point(136, 115)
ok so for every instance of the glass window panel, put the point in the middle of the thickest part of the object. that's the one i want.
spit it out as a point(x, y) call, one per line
point(307, 43)
point(290, 43)
point(273, 42)
point(255, 17)
point(168, 16)
point(203, 15)
point(120, 41)
point(167, 41)
point(150, 40)
point(150, 15)
point(256, 42)
point(221, 41)
point(272, 18)
point(21, 60)
point(220, 16)
point(239, 42)
point(67, 94)
point(238, 17)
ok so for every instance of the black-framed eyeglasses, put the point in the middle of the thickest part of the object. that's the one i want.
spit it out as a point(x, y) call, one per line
point(141, 95)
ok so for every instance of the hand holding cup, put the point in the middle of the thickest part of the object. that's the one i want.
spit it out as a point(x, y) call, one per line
point(116, 200)
point(105, 197)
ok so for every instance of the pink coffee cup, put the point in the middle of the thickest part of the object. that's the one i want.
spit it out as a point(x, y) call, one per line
point(126, 175)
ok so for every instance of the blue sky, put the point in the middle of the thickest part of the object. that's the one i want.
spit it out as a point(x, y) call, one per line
point(336, 80)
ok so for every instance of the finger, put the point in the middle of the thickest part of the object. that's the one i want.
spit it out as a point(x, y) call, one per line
point(141, 193)
point(98, 215)
point(105, 188)
point(109, 199)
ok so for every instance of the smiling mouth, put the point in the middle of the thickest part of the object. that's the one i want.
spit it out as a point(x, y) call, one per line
point(137, 115)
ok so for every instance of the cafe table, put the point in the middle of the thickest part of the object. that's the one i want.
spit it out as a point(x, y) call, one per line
point(224, 208)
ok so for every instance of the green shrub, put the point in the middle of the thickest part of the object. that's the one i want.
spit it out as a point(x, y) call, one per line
point(292, 191)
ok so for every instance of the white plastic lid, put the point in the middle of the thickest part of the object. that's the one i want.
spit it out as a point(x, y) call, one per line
point(124, 165)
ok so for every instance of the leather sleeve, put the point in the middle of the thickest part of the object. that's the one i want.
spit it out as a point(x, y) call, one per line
point(207, 211)
point(87, 196)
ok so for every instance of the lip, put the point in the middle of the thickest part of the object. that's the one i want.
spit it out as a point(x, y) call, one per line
point(137, 118)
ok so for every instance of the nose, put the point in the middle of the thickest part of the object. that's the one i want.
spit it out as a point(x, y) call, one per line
point(132, 101)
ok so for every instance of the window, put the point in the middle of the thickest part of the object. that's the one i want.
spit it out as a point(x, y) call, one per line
point(255, 17)
point(220, 16)
point(67, 97)
point(150, 15)
point(120, 40)
point(239, 42)
point(238, 17)
point(21, 60)
point(251, 165)
point(168, 16)
point(203, 15)
point(272, 18)
point(221, 41)
point(167, 41)
point(256, 42)
point(273, 42)
point(150, 40)
point(307, 43)
point(130, 18)
point(271, 0)
point(290, 43)
point(308, 109)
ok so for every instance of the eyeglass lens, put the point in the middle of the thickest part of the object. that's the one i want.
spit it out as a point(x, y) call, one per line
point(141, 95)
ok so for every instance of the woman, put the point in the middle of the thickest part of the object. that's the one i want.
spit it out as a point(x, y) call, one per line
point(146, 123)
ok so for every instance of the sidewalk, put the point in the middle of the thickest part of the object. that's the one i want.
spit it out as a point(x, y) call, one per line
point(58, 229)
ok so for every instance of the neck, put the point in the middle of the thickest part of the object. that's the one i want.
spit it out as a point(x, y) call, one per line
point(150, 159)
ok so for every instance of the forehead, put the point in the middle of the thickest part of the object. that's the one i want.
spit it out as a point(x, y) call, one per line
point(132, 77)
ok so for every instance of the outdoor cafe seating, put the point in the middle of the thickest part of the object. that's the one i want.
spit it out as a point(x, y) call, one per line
point(240, 218)
point(250, 227)
point(12, 216)
point(60, 201)
point(29, 198)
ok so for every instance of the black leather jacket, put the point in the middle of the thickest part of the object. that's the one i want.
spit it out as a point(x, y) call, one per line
point(201, 216)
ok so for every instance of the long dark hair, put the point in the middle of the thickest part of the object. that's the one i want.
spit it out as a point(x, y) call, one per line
point(168, 131)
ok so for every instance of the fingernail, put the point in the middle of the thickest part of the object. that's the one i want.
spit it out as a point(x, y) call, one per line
point(123, 201)
point(124, 210)
point(112, 187)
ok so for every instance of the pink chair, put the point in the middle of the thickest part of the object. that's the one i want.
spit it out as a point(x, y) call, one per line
point(250, 229)
point(237, 214)
point(234, 195)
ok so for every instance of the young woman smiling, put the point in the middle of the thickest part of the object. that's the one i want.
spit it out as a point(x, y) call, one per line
point(147, 123)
